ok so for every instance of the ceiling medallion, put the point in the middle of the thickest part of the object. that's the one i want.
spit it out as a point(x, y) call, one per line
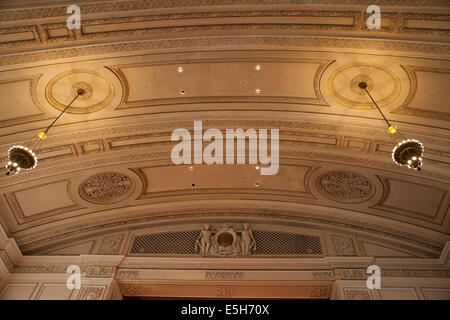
point(343, 84)
point(21, 157)
point(93, 100)
point(107, 187)
point(345, 186)
point(408, 152)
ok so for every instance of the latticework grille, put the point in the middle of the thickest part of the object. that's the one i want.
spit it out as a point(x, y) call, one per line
point(179, 242)
point(282, 243)
point(267, 243)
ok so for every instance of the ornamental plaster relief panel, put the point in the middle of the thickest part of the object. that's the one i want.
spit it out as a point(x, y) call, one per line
point(346, 185)
point(97, 188)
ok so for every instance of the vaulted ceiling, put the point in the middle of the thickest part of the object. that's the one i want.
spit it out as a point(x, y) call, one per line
point(105, 171)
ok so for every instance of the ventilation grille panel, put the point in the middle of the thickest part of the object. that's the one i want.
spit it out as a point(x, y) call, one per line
point(179, 242)
point(282, 243)
point(267, 243)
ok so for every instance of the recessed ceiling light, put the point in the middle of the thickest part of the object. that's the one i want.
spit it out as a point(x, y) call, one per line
point(257, 184)
point(257, 91)
point(191, 168)
point(180, 69)
point(258, 67)
point(257, 167)
point(182, 92)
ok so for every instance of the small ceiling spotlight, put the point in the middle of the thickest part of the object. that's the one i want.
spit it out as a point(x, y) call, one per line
point(408, 152)
point(258, 67)
point(180, 69)
point(257, 91)
point(182, 92)
point(21, 157)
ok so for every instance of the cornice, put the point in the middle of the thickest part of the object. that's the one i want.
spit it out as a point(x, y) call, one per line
point(230, 43)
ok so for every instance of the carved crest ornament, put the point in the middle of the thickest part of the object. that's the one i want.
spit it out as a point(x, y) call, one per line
point(225, 241)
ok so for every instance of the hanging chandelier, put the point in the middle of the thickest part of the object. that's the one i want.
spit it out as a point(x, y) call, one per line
point(21, 157)
point(408, 152)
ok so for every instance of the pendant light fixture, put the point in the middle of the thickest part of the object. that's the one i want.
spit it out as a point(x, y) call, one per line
point(21, 157)
point(408, 152)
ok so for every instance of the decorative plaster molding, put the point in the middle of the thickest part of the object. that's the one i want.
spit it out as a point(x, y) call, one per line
point(206, 215)
point(323, 275)
point(357, 294)
point(320, 292)
point(41, 269)
point(6, 260)
point(351, 274)
point(91, 293)
point(127, 274)
point(344, 246)
point(345, 186)
point(237, 42)
point(224, 291)
point(107, 187)
point(111, 245)
point(99, 272)
point(223, 276)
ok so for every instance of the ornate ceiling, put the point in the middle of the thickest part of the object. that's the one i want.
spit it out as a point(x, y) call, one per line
point(105, 176)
